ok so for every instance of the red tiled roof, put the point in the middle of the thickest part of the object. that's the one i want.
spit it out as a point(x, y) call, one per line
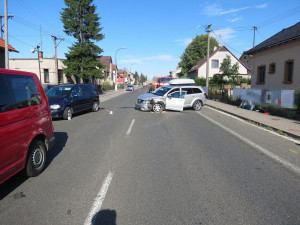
point(10, 48)
point(105, 61)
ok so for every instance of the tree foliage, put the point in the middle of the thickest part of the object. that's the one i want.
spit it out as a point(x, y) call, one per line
point(143, 78)
point(136, 77)
point(196, 51)
point(82, 22)
point(229, 70)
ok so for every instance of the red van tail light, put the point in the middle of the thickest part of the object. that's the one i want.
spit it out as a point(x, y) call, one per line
point(52, 128)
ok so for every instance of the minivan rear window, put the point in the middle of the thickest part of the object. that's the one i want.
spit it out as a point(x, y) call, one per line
point(17, 92)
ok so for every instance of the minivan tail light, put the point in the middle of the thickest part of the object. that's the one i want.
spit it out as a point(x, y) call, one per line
point(52, 128)
point(205, 94)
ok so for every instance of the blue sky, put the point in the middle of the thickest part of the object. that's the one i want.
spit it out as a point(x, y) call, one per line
point(155, 33)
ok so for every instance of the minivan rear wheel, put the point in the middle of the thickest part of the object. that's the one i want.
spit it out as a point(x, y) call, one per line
point(36, 159)
point(197, 105)
point(67, 113)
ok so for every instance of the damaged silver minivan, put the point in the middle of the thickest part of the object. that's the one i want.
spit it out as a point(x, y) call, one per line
point(179, 94)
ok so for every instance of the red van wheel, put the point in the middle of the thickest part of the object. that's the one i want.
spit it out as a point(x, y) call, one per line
point(36, 158)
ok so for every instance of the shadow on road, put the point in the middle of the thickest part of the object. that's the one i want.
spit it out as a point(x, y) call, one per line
point(15, 181)
point(105, 217)
point(60, 142)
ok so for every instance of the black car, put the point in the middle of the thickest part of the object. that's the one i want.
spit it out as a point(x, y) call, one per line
point(66, 100)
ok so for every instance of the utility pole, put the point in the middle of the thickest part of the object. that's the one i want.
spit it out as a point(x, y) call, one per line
point(6, 35)
point(55, 56)
point(254, 29)
point(1, 24)
point(207, 55)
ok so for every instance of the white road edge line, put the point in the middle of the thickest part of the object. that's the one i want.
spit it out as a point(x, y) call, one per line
point(259, 127)
point(99, 200)
point(130, 127)
point(289, 165)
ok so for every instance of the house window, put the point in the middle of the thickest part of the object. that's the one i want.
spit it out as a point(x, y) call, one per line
point(288, 72)
point(60, 77)
point(214, 63)
point(46, 75)
point(272, 68)
point(261, 73)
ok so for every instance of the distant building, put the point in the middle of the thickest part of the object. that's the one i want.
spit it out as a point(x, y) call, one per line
point(175, 73)
point(46, 73)
point(106, 61)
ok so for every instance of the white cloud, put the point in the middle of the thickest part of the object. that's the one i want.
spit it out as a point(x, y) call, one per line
point(233, 11)
point(217, 10)
point(261, 6)
point(150, 58)
point(235, 19)
point(137, 61)
point(212, 10)
point(184, 42)
point(159, 57)
point(224, 34)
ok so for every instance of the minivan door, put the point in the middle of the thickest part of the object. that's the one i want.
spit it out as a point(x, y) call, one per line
point(175, 101)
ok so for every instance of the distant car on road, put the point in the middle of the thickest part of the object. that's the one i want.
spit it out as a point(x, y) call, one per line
point(130, 88)
point(66, 100)
point(180, 94)
point(26, 131)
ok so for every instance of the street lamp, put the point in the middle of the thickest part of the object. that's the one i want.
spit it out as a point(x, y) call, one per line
point(130, 68)
point(37, 49)
point(116, 74)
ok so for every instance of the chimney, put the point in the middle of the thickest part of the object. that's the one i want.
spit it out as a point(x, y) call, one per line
point(41, 54)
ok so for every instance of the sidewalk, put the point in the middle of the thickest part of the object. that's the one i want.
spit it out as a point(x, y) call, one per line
point(290, 127)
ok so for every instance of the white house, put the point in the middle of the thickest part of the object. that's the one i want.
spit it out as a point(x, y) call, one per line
point(215, 60)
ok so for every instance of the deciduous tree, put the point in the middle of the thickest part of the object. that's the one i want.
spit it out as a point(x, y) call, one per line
point(229, 70)
point(196, 51)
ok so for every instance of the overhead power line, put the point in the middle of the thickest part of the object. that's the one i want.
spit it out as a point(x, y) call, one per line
point(227, 45)
point(279, 17)
point(36, 14)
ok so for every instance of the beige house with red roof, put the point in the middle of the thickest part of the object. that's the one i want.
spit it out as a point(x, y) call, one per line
point(215, 60)
point(2, 52)
point(106, 61)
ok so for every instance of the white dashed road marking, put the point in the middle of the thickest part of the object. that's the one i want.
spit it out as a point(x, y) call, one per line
point(130, 127)
point(90, 220)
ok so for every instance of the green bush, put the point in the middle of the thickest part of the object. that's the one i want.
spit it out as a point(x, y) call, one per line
point(200, 81)
point(245, 80)
point(105, 86)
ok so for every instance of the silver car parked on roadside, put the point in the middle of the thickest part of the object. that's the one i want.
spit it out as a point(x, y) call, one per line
point(180, 94)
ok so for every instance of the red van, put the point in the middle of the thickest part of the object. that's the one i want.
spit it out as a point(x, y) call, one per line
point(26, 130)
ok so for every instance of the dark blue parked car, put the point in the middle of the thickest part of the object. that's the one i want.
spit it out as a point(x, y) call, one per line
point(66, 100)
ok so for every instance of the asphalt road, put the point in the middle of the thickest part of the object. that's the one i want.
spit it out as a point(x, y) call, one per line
point(122, 166)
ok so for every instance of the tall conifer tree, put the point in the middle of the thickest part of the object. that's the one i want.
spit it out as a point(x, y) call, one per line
point(82, 22)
